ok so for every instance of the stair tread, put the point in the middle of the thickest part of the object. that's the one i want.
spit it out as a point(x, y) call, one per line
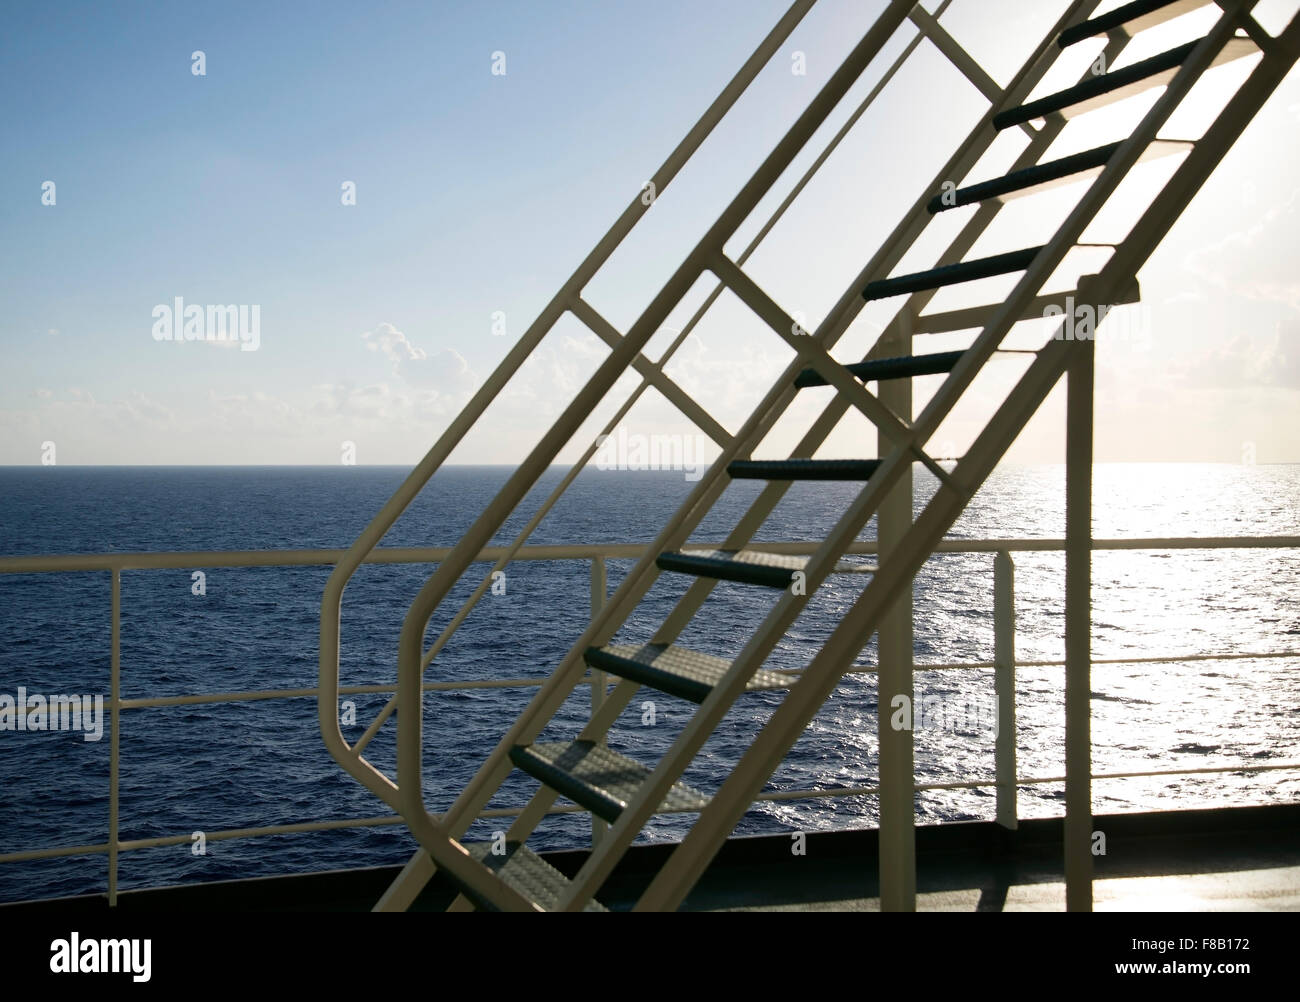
point(1094, 87)
point(902, 367)
point(1135, 16)
point(1046, 175)
point(951, 274)
point(772, 570)
point(1028, 177)
point(761, 558)
point(803, 469)
point(1139, 76)
point(597, 778)
point(678, 671)
point(527, 873)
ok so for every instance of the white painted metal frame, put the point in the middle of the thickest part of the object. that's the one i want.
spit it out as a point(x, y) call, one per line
point(498, 765)
point(347, 756)
point(708, 254)
point(760, 646)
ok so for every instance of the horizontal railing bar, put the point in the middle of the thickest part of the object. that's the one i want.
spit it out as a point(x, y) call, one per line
point(178, 559)
point(160, 560)
point(522, 683)
point(346, 690)
point(97, 849)
point(161, 842)
point(1169, 659)
point(503, 812)
point(1152, 543)
point(1163, 772)
point(1019, 663)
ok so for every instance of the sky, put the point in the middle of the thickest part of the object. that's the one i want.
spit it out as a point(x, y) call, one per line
point(489, 145)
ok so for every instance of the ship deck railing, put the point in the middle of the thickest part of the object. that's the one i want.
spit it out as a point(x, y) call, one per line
point(1005, 782)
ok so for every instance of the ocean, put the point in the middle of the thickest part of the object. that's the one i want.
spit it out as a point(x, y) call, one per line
point(209, 768)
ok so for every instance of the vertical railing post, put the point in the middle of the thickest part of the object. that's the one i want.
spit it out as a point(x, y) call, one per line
point(599, 681)
point(114, 748)
point(1004, 660)
point(894, 680)
point(1078, 630)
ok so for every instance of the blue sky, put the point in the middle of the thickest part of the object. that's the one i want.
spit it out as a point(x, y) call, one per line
point(479, 193)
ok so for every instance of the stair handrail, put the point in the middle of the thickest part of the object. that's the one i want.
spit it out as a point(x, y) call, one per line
point(331, 600)
point(702, 497)
point(929, 30)
point(696, 263)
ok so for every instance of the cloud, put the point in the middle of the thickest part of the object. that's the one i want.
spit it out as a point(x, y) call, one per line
point(727, 386)
point(76, 409)
point(553, 373)
point(393, 343)
point(1246, 361)
point(258, 412)
point(444, 371)
point(1258, 262)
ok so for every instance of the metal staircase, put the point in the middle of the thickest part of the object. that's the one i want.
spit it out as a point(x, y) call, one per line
point(625, 793)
